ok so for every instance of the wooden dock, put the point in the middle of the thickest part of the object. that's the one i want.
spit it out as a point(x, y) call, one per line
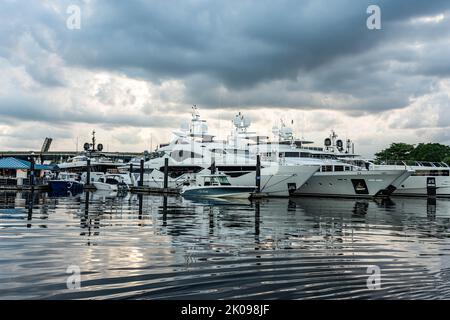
point(40, 188)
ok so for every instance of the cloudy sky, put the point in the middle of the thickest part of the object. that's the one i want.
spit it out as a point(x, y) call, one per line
point(134, 69)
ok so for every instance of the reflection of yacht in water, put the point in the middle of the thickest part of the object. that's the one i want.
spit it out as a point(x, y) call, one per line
point(331, 206)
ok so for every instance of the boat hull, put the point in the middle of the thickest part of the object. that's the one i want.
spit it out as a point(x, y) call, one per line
point(417, 186)
point(278, 181)
point(58, 186)
point(218, 192)
point(360, 184)
point(105, 186)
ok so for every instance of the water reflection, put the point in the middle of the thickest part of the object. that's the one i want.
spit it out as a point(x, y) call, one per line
point(142, 246)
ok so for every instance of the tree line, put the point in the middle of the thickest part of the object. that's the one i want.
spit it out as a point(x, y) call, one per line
point(434, 152)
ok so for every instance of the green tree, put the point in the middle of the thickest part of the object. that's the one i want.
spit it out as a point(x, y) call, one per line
point(397, 151)
point(434, 152)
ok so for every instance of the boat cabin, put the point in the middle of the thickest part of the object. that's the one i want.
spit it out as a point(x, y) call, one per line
point(213, 180)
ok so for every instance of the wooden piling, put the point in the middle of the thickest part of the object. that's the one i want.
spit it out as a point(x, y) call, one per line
point(258, 173)
point(88, 172)
point(32, 174)
point(213, 165)
point(131, 174)
point(166, 172)
point(141, 173)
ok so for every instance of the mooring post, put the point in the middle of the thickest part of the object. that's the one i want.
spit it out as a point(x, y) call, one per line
point(131, 172)
point(141, 173)
point(88, 172)
point(166, 172)
point(213, 165)
point(32, 173)
point(258, 173)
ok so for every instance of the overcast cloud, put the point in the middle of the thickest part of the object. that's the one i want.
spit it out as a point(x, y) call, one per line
point(134, 69)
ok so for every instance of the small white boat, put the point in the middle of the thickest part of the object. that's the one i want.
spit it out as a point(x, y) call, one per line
point(215, 186)
point(111, 182)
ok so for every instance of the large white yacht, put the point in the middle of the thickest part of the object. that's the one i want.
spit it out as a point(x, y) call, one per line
point(194, 151)
point(334, 178)
point(98, 162)
point(427, 179)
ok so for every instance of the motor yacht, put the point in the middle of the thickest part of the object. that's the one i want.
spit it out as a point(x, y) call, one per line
point(335, 178)
point(111, 182)
point(215, 186)
point(193, 150)
point(66, 182)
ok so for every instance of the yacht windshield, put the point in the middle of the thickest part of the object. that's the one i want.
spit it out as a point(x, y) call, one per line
point(223, 181)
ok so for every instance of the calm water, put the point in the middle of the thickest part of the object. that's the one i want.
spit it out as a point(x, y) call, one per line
point(151, 247)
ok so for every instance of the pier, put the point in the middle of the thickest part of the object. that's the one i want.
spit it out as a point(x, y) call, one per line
point(55, 156)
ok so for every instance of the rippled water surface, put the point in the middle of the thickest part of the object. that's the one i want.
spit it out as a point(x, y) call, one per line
point(152, 247)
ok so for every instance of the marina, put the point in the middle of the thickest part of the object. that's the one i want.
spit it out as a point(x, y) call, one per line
point(282, 167)
point(242, 218)
point(224, 155)
point(155, 247)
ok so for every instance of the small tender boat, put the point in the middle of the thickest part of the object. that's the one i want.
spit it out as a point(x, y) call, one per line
point(111, 182)
point(66, 182)
point(215, 186)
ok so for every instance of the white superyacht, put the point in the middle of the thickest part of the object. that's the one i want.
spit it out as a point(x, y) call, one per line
point(334, 178)
point(194, 151)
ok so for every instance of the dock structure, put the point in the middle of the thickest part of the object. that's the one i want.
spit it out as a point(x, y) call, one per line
point(38, 188)
point(57, 156)
point(141, 188)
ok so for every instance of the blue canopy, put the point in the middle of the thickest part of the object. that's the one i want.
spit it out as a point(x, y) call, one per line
point(18, 164)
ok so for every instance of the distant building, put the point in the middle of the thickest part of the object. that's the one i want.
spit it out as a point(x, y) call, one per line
point(15, 171)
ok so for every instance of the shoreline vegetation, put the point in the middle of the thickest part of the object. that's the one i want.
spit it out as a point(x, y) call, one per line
point(432, 152)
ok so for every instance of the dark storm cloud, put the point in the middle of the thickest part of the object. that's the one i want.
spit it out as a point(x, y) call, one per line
point(239, 42)
point(244, 53)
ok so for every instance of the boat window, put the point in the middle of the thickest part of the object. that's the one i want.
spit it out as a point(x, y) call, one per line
point(291, 154)
point(305, 154)
point(347, 168)
point(432, 173)
point(218, 151)
point(223, 181)
point(338, 168)
point(327, 168)
point(214, 181)
point(111, 181)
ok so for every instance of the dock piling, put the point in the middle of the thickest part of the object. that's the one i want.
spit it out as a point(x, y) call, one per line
point(166, 172)
point(141, 173)
point(88, 172)
point(258, 173)
point(32, 174)
point(213, 165)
